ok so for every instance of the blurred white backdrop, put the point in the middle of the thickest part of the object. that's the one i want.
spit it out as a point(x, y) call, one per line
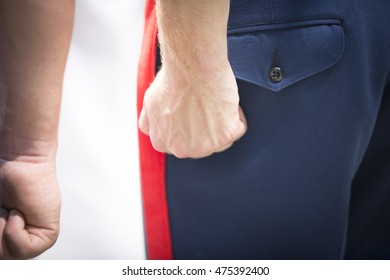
point(98, 151)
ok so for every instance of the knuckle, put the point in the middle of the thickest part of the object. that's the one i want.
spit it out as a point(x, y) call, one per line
point(185, 150)
point(158, 145)
point(179, 152)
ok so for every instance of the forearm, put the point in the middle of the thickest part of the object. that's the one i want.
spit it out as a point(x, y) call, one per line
point(192, 34)
point(192, 107)
point(34, 42)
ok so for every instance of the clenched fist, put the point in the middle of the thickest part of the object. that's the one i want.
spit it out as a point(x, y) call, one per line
point(192, 115)
point(191, 110)
point(30, 207)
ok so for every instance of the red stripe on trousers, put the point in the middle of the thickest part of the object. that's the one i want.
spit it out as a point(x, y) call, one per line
point(152, 163)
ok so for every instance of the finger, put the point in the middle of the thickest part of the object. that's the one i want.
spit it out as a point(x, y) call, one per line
point(224, 148)
point(4, 254)
point(15, 236)
point(143, 122)
point(242, 115)
point(209, 153)
point(241, 126)
point(240, 131)
point(159, 146)
point(24, 241)
point(20, 242)
point(3, 216)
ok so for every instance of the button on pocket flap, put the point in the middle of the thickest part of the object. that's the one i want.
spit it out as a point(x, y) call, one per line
point(275, 56)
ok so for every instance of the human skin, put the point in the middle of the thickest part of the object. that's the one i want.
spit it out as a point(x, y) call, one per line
point(34, 42)
point(191, 110)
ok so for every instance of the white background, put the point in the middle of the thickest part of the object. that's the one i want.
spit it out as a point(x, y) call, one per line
point(278, 270)
point(98, 151)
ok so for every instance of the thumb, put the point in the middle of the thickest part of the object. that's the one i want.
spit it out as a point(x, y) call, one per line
point(25, 242)
point(16, 237)
point(143, 122)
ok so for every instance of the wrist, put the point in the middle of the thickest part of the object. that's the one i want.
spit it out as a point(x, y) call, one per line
point(13, 147)
point(200, 61)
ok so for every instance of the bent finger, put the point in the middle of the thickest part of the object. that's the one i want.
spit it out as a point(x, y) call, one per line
point(4, 254)
point(143, 122)
point(241, 125)
point(20, 242)
point(224, 148)
point(15, 236)
point(159, 146)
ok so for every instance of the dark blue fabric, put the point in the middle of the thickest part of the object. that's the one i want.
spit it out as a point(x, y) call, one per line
point(310, 179)
point(369, 225)
point(293, 46)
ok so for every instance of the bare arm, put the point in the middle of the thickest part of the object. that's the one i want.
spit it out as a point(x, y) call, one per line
point(193, 32)
point(191, 109)
point(34, 42)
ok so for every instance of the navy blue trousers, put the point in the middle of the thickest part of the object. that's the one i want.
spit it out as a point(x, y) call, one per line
point(311, 178)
